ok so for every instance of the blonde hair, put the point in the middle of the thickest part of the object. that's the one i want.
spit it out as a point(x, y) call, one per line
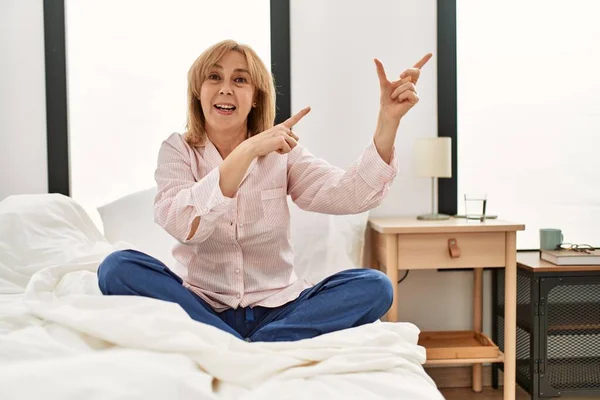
point(261, 117)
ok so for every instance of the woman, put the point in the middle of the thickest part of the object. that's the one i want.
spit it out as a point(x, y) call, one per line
point(222, 190)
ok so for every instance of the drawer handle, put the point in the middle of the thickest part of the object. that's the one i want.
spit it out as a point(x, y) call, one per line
point(453, 248)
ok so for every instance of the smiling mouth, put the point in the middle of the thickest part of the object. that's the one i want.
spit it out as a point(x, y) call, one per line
point(225, 108)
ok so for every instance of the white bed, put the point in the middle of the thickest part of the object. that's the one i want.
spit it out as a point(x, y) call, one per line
point(61, 339)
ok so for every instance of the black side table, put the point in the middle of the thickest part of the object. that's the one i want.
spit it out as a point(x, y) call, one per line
point(558, 327)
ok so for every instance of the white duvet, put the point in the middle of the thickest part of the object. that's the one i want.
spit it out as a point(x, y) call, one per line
point(61, 339)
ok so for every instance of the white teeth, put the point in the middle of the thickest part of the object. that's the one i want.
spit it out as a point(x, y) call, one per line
point(225, 106)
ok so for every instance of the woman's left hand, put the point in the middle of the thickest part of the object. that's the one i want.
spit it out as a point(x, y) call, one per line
point(399, 96)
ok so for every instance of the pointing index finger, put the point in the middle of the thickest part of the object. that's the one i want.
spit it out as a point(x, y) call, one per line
point(423, 61)
point(380, 72)
point(290, 122)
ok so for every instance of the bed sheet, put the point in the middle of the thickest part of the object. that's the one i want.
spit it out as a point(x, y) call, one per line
point(61, 339)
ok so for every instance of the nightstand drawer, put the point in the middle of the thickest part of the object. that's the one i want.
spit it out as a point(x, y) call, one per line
point(431, 251)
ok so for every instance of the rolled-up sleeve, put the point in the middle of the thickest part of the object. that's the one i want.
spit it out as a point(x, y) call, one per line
point(180, 198)
point(315, 185)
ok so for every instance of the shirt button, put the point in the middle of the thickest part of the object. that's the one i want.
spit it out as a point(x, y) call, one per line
point(237, 271)
point(238, 295)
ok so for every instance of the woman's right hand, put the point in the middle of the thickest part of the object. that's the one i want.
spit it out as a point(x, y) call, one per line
point(279, 138)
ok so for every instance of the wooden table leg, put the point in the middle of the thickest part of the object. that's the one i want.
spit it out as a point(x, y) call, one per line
point(391, 269)
point(510, 317)
point(477, 376)
point(374, 262)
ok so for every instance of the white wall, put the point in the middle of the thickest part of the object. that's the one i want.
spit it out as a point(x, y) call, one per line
point(553, 139)
point(333, 46)
point(23, 165)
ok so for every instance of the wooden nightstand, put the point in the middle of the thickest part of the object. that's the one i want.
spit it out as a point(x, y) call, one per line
point(408, 243)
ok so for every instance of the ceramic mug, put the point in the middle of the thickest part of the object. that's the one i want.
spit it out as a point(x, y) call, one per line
point(550, 239)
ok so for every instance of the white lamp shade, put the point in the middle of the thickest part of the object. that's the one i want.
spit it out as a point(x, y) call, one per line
point(433, 157)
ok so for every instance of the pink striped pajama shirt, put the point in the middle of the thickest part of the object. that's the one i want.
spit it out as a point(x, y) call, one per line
point(241, 254)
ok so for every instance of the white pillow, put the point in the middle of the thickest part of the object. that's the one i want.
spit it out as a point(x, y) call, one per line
point(326, 244)
point(323, 244)
point(43, 230)
point(131, 219)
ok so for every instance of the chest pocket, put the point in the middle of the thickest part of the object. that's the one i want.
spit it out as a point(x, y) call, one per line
point(275, 207)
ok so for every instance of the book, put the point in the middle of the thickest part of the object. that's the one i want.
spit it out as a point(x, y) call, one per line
point(570, 257)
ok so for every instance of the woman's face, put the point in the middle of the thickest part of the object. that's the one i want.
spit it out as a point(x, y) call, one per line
point(227, 93)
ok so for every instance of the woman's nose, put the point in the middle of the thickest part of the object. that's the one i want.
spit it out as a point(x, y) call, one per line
point(225, 89)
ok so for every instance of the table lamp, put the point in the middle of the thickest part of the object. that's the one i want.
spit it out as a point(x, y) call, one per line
point(433, 159)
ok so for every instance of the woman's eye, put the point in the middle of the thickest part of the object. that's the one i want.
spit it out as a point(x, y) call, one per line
point(241, 79)
point(213, 77)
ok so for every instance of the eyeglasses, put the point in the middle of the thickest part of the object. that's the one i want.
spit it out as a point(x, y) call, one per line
point(583, 248)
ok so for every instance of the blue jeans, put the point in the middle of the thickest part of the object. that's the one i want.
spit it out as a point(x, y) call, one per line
point(347, 299)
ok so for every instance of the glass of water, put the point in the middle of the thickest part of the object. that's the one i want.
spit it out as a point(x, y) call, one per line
point(475, 204)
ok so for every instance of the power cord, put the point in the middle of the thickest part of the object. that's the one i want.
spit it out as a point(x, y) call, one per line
point(404, 277)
